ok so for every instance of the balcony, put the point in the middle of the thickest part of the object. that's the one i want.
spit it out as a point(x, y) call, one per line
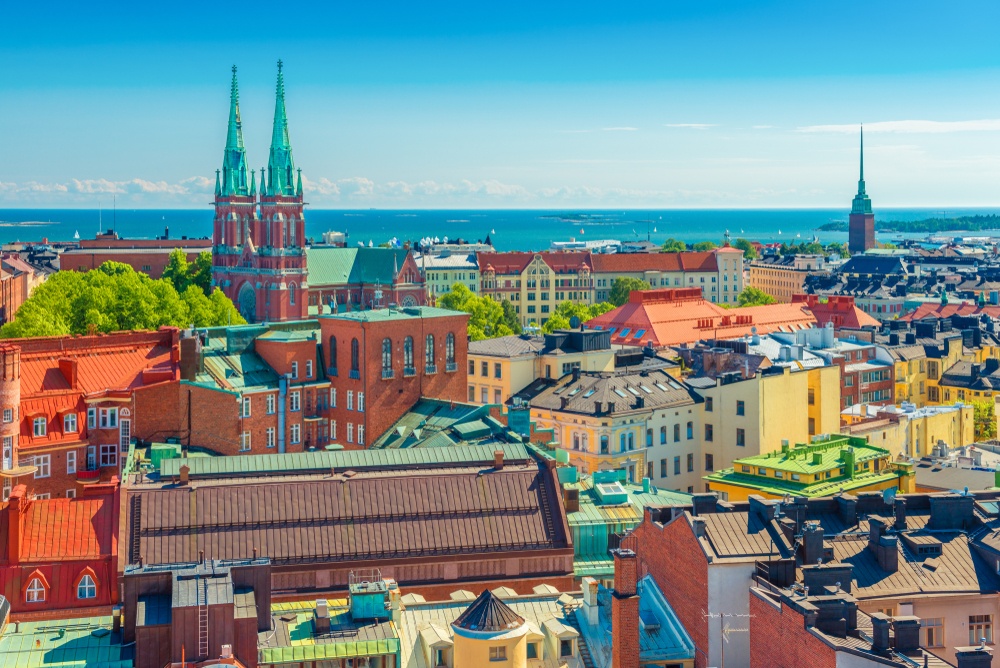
point(409, 371)
point(85, 475)
point(430, 368)
point(387, 374)
point(355, 374)
point(331, 371)
point(451, 367)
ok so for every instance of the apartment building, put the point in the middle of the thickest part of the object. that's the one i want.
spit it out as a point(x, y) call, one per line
point(535, 283)
point(717, 273)
point(784, 276)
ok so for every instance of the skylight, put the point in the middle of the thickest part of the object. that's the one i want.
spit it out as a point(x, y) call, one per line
point(640, 334)
point(588, 393)
point(575, 391)
point(661, 386)
point(619, 393)
point(625, 332)
point(632, 390)
point(645, 389)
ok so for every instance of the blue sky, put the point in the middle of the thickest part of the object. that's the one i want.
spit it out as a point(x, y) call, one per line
point(516, 104)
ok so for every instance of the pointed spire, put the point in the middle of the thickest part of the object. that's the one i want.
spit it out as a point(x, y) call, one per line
point(861, 176)
point(253, 184)
point(298, 185)
point(280, 166)
point(218, 187)
point(235, 175)
point(862, 203)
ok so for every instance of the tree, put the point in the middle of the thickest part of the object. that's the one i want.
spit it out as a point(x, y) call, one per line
point(705, 246)
point(672, 245)
point(201, 272)
point(984, 418)
point(562, 317)
point(486, 316)
point(510, 317)
point(754, 297)
point(115, 297)
point(621, 288)
point(178, 270)
point(749, 250)
point(838, 249)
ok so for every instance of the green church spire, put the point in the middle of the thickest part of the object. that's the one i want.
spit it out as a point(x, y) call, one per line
point(235, 175)
point(862, 203)
point(280, 167)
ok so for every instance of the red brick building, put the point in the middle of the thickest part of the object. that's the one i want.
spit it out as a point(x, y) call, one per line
point(150, 256)
point(58, 557)
point(352, 279)
point(71, 405)
point(15, 285)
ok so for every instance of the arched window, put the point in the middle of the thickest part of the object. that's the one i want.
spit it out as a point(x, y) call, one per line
point(663, 435)
point(576, 441)
point(87, 588)
point(449, 351)
point(387, 358)
point(333, 355)
point(355, 357)
point(408, 369)
point(429, 353)
point(291, 294)
point(35, 593)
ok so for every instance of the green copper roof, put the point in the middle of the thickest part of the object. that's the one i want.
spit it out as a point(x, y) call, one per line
point(69, 643)
point(280, 167)
point(862, 203)
point(817, 457)
point(235, 176)
point(338, 266)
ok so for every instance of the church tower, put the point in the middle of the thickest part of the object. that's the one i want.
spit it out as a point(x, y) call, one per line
point(258, 259)
point(861, 226)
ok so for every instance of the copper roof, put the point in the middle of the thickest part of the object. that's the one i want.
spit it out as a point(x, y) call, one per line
point(488, 613)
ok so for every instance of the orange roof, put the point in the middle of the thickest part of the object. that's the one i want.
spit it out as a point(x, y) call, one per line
point(59, 529)
point(671, 317)
point(516, 262)
point(838, 309)
point(938, 310)
point(633, 262)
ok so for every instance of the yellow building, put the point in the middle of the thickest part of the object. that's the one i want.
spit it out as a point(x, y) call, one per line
point(822, 468)
point(535, 283)
point(911, 432)
point(784, 276)
point(500, 368)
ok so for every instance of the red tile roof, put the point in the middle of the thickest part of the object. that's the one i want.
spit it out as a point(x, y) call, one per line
point(938, 310)
point(681, 315)
point(515, 263)
point(633, 262)
point(59, 529)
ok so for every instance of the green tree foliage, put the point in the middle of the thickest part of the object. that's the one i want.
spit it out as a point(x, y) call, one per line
point(510, 317)
point(621, 288)
point(985, 419)
point(486, 316)
point(811, 248)
point(754, 297)
point(115, 297)
point(749, 251)
point(182, 273)
point(839, 249)
point(705, 246)
point(672, 245)
point(201, 272)
point(561, 318)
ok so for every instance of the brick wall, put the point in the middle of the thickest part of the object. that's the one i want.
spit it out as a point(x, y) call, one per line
point(674, 558)
point(779, 639)
point(148, 262)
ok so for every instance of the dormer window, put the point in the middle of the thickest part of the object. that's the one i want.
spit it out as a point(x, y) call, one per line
point(39, 426)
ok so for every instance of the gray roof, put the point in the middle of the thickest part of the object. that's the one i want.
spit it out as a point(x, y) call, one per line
point(932, 476)
point(508, 346)
point(656, 388)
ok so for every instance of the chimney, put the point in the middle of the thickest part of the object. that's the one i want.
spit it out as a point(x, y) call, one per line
point(973, 657)
point(571, 499)
point(591, 608)
point(847, 508)
point(563, 401)
point(597, 408)
point(498, 460)
point(611, 407)
point(876, 529)
point(812, 543)
point(951, 511)
point(911, 338)
point(887, 553)
point(321, 617)
point(625, 611)
point(184, 471)
point(68, 368)
point(16, 506)
point(880, 634)
point(899, 509)
point(704, 504)
point(906, 634)
point(698, 527)
point(192, 362)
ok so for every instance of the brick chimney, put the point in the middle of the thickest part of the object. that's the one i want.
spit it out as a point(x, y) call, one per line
point(68, 368)
point(16, 507)
point(812, 543)
point(498, 460)
point(625, 611)
point(899, 510)
point(880, 633)
point(973, 657)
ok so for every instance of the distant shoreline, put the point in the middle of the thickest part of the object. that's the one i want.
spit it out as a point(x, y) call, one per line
point(976, 223)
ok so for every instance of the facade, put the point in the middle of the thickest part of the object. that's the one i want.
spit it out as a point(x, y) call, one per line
point(58, 556)
point(149, 256)
point(861, 224)
point(835, 463)
point(15, 287)
point(72, 405)
point(717, 273)
point(356, 279)
point(911, 432)
point(441, 271)
point(784, 276)
point(258, 242)
point(535, 283)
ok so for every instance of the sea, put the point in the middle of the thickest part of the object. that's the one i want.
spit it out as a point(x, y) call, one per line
point(508, 229)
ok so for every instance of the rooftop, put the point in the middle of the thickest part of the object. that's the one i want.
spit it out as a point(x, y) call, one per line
point(626, 391)
point(396, 314)
point(64, 643)
point(330, 265)
point(433, 423)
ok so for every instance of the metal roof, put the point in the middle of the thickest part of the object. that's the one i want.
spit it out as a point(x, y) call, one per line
point(489, 614)
point(82, 642)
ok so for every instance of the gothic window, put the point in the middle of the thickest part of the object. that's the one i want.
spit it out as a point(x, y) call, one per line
point(355, 362)
point(429, 351)
point(333, 353)
point(408, 352)
point(86, 588)
point(291, 294)
point(449, 347)
point(386, 355)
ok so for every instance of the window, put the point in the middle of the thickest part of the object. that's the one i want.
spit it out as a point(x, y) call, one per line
point(472, 394)
point(708, 432)
point(677, 465)
point(333, 356)
point(361, 402)
point(933, 632)
point(429, 354)
point(43, 463)
point(484, 395)
point(246, 407)
point(663, 435)
point(812, 426)
point(677, 433)
point(91, 418)
point(980, 626)
point(690, 463)
point(605, 445)
point(38, 426)
point(244, 441)
point(69, 423)
point(498, 653)
point(270, 437)
point(484, 368)
point(71, 462)
point(109, 455)
point(408, 357)
point(8, 415)
point(497, 370)
point(449, 352)
point(350, 400)
point(350, 432)
point(309, 369)
point(740, 407)
point(663, 468)
point(109, 418)
point(387, 358)
point(355, 359)
point(649, 439)
point(70, 493)
point(848, 381)
point(565, 648)
point(690, 430)
point(35, 593)
point(87, 588)
point(270, 404)
point(333, 430)
point(532, 650)
point(295, 370)
point(296, 433)
point(709, 463)
point(708, 404)
point(472, 368)
point(497, 398)
point(741, 436)
point(361, 434)
point(333, 397)
point(294, 401)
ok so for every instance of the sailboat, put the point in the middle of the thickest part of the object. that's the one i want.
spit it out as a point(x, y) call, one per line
point(76, 235)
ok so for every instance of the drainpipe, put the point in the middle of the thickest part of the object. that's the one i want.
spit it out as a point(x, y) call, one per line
point(282, 393)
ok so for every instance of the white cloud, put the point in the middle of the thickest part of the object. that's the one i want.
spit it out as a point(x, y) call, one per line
point(690, 126)
point(620, 129)
point(763, 127)
point(911, 127)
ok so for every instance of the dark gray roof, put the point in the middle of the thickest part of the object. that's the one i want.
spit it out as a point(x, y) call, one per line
point(488, 613)
point(153, 610)
point(507, 346)
point(198, 590)
point(655, 388)
point(879, 265)
point(932, 476)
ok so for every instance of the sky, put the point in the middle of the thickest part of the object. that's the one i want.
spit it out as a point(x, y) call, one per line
point(508, 105)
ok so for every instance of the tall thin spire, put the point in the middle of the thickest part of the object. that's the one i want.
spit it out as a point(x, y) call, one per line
point(280, 167)
point(861, 177)
point(235, 175)
point(862, 203)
